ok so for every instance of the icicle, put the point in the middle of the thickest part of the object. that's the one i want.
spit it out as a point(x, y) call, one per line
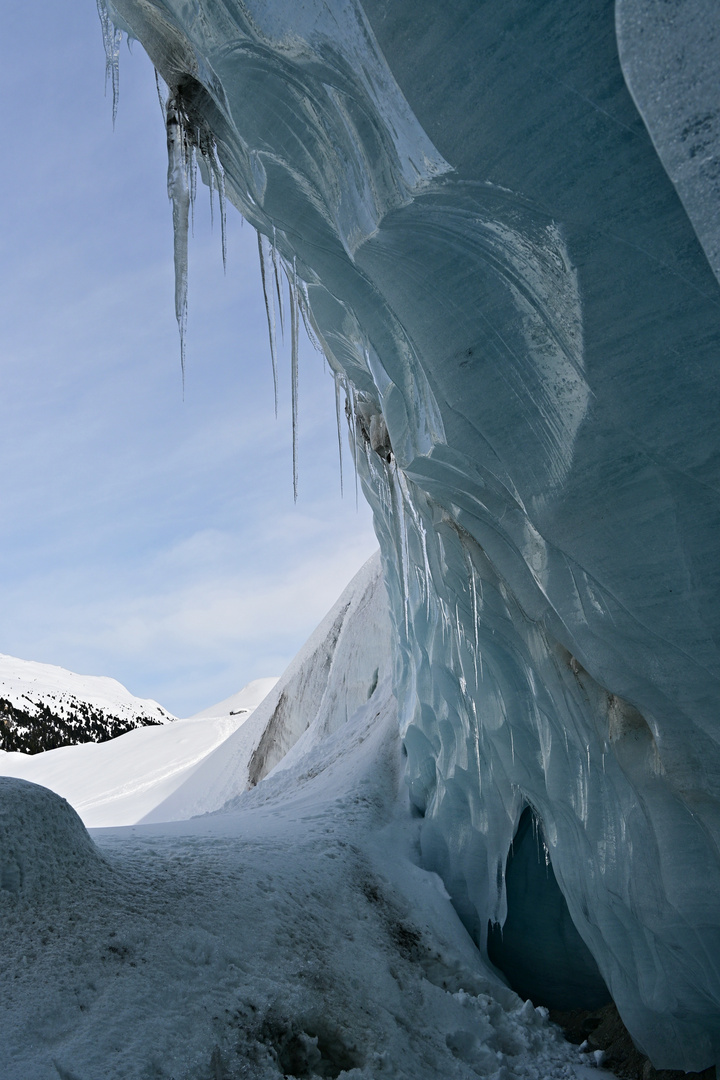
point(217, 169)
point(380, 482)
point(352, 417)
point(192, 176)
point(457, 624)
point(426, 565)
point(308, 323)
point(111, 41)
point(161, 98)
point(211, 186)
point(278, 284)
point(338, 410)
point(404, 554)
point(512, 746)
point(547, 855)
point(460, 635)
point(179, 195)
point(270, 312)
point(294, 334)
point(473, 590)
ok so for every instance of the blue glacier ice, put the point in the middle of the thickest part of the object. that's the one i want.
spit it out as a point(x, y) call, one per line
point(501, 222)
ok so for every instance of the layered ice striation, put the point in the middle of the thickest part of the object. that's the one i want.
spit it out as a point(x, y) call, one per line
point(489, 244)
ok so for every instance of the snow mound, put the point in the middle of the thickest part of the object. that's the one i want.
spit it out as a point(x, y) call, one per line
point(45, 850)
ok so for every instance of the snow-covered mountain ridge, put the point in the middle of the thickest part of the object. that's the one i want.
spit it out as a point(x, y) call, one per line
point(43, 707)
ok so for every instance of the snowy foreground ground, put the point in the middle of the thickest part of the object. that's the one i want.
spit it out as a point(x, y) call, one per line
point(290, 934)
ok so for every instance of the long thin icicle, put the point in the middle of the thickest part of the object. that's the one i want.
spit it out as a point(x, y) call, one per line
point(278, 284)
point(211, 186)
point(352, 417)
point(223, 215)
point(270, 312)
point(216, 169)
point(179, 195)
point(338, 416)
point(294, 335)
point(111, 40)
point(308, 322)
point(161, 97)
point(404, 547)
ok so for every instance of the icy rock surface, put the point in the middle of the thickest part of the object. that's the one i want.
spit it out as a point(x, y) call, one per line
point(525, 325)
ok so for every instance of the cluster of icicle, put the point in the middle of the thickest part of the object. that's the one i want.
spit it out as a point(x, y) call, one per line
point(273, 266)
point(190, 146)
point(111, 40)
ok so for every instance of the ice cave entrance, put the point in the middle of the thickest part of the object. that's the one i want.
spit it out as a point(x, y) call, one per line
point(538, 948)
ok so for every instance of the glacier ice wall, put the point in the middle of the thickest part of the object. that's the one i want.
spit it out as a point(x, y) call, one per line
point(488, 243)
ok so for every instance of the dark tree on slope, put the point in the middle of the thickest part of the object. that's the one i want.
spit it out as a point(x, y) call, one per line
point(39, 727)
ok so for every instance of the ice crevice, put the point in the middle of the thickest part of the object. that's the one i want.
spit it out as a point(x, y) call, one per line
point(517, 310)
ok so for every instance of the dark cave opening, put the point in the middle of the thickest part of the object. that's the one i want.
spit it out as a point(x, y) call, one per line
point(539, 949)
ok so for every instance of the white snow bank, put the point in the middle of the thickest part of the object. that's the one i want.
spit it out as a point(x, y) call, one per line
point(121, 781)
point(194, 766)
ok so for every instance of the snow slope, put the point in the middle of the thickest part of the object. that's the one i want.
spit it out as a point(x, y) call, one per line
point(244, 701)
point(338, 669)
point(43, 706)
point(196, 765)
point(121, 781)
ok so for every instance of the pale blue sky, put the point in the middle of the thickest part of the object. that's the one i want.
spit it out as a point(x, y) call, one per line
point(143, 537)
